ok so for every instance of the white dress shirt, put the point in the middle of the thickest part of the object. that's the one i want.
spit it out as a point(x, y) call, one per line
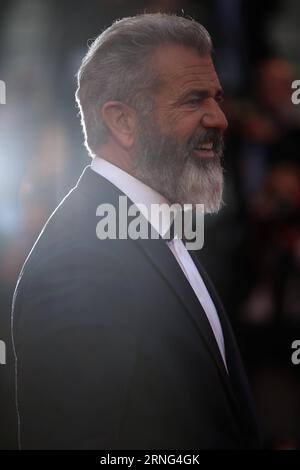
point(144, 196)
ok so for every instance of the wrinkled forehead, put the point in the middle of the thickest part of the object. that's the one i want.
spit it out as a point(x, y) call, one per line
point(182, 67)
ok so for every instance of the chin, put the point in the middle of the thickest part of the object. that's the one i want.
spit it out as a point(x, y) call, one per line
point(214, 203)
point(211, 206)
point(211, 198)
point(202, 185)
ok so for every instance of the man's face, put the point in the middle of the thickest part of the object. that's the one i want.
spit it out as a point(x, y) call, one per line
point(179, 146)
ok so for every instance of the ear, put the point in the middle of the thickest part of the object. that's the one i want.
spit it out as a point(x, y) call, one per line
point(121, 121)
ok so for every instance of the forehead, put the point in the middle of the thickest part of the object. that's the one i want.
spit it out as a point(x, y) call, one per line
point(182, 69)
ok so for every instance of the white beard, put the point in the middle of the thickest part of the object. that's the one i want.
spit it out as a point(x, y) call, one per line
point(201, 185)
point(173, 170)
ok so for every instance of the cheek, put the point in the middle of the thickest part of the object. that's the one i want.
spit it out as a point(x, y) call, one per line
point(185, 126)
point(180, 124)
point(189, 123)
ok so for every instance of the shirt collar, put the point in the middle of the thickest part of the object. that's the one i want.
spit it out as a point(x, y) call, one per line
point(142, 195)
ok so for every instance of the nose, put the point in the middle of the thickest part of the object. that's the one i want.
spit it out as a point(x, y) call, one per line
point(214, 117)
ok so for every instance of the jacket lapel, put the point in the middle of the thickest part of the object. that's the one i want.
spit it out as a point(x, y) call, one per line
point(233, 357)
point(160, 255)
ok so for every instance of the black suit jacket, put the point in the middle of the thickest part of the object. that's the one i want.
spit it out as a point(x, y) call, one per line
point(114, 350)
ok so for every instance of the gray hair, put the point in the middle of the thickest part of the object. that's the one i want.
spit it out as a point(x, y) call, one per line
point(116, 67)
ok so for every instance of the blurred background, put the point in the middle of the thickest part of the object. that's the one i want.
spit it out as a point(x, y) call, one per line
point(251, 249)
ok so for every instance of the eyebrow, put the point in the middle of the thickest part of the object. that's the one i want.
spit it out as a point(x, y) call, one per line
point(200, 94)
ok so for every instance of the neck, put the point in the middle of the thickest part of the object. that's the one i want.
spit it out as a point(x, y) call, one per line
point(117, 156)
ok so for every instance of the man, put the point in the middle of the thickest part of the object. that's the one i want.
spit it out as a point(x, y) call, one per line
point(122, 343)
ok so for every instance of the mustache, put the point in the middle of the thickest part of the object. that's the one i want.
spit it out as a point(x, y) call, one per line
point(204, 136)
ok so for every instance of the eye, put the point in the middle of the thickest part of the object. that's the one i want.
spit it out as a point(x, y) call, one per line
point(194, 101)
point(220, 99)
